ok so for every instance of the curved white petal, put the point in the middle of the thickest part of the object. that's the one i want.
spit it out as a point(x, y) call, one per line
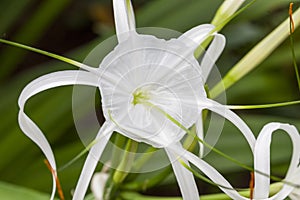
point(56, 79)
point(35, 134)
point(212, 54)
point(196, 35)
point(184, 177)
point(262, 161)
point(232, 117)
point(124, 18)
point(38, 85)
point(208, 170)
point(295, 195)
point(92, 160)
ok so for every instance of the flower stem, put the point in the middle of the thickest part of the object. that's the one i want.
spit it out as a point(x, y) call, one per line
point(274, 188)
point(148, 183)
point(52, 55)
point(274, 105)
point(77, 157)
point(126, 163)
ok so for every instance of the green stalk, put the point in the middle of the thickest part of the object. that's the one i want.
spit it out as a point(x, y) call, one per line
point(274, 188)
point(78, 156)
point(120, 142)
point(138, 164)
point(274, 105)
point(51, 55)
point(126, 163)
point(148, 183)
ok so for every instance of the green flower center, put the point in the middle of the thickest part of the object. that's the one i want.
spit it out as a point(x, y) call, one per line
point(140, 96)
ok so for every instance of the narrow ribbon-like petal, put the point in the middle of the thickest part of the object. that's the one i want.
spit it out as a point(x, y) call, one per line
point(35, 134)
point(262, 161)
point(92, 160)
point(212, 54)
point(232, 117)
point(45, 82)
point(208, 170)
point(184, 177)
point(295, 195)
point(196, 35)
point(56, 79)
point(124, 18)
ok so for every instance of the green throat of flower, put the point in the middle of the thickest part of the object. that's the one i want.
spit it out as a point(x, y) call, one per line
point(140, 96)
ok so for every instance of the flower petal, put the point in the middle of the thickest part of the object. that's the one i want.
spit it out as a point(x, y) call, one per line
point(295, 195)
point(56, 79)
point(184, 177)
point(38, 85)
point(35, 134)
point(124, 18)
point(212, 54)
point(208, 170)
point(196, 35)
point(92, 160)
point(262, 161)
point(232, 117)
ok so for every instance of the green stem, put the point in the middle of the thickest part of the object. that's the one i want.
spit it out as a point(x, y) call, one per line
point(126, 163)
point(77, 157)
point(274, 105)
point(119, 142)
point(138, 164)
point(274, 188)
point(52, 55)
point(148, 183)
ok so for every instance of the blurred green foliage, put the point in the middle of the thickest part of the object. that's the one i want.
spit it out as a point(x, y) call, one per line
point(75, 27)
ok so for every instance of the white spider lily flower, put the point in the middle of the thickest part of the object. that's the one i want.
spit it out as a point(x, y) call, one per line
point(142, 71)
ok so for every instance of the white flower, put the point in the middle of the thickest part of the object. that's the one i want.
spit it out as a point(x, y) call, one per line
point(160, 72)
point(142, 76)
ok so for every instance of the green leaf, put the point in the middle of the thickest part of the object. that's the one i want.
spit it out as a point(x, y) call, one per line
point(13, 192)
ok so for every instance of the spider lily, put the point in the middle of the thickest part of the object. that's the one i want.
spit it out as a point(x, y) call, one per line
point(140, 81)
